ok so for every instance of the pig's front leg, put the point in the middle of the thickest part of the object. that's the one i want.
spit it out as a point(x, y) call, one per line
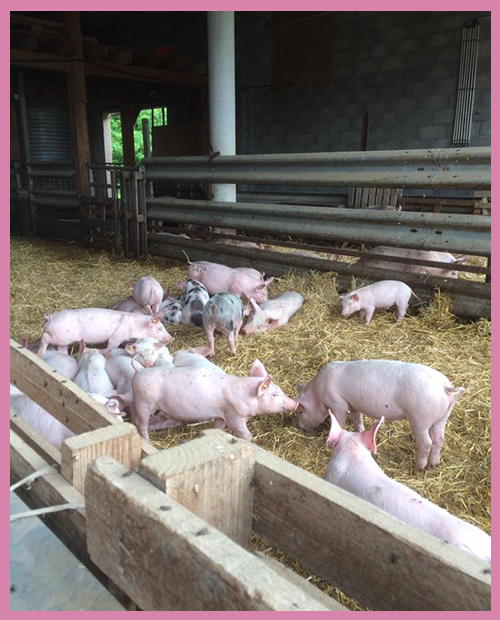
point(368, 315)
point(220, 423)
point(62, 349)
point(239, 427)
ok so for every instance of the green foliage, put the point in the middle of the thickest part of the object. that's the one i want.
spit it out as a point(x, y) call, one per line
point(116, 133)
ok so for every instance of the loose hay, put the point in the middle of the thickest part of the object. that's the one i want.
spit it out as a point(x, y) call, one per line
point(49, 276)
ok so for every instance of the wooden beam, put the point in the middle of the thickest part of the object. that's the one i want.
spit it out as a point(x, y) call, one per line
point(36, 441)
point(212, 477)
point(39, 60)
point(120, 56)
point(67, 402)
point(77, 94)
point(375, 559)
point(166, 558)
point(146, 74)
point(22, 40)
point(120, 441)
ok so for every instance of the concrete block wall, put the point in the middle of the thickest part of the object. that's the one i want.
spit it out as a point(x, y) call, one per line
point(401, 67)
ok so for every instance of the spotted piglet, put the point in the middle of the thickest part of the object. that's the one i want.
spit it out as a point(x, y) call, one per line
point(224, 313)
point(195, 298)
point(172, 307)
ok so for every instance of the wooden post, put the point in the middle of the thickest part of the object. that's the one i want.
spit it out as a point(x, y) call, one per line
point(128, 119)
point(121, 441)
point(141, 188)
point(77, 95)
point(212, 477)
point(166, 558)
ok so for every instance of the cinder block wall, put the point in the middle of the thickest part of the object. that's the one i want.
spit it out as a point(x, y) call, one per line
point(400, 67)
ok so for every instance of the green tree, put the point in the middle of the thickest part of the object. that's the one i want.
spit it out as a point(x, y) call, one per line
point(116, 133)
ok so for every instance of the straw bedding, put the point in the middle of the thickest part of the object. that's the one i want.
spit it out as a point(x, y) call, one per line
point(49, 276)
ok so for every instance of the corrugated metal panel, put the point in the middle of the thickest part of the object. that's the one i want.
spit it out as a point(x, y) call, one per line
point(51, 139)
point(50, 133)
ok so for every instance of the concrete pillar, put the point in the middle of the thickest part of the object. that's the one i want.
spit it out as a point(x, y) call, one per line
point(221, 92)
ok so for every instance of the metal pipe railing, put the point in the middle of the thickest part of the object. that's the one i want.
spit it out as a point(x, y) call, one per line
point(454, 233)
point(419, 168)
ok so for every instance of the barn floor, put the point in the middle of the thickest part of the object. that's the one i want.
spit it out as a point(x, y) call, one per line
point(45, 575)
point(48, 276)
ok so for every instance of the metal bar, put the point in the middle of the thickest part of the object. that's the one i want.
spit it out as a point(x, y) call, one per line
point(454, 233)
point(471, 299)
point(451, 168)
point(327, 249)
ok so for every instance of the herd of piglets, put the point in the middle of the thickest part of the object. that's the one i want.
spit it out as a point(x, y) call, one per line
point(136, 373)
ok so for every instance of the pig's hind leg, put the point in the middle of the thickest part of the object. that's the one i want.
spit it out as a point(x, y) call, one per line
point(402, 307)
point(436, 433)
point(357, 420)
point(424, 444)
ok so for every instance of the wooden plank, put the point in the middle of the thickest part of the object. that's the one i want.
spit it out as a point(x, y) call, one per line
point(96, 52)
point(369, 555)
point(120, 56)
point(212, 477)
point(300, 582)
point(142, 217)
point(166, 558)
point(40, 60)
point(65, 400)
point(33, 439)
point(120, 441)
point(350, 197)
point(146, 74)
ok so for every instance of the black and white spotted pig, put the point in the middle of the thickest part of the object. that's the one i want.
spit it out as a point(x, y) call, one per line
point(172, 307)
point(195, 298)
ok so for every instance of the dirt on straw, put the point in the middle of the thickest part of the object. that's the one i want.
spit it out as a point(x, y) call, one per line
point(48, 276)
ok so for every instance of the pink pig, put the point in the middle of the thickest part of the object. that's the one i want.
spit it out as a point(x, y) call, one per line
point(273, 313)
point(382, 294)
point(129, 305)
point(148, 293)
point(241, 281)
point(353, 469)
point(186, 395)
point(442, 257)
point(97, 325)
point(396, 390)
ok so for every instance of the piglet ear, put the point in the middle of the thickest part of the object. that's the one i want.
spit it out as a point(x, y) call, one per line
point(264, 385)
point(273, 323)
point(158, 345)
point(268, 281)
point(355, 297)
point(300, 387)
point(81, 348)
point(258, 369)
point(335, 431)
point(368, 437)
point(156, 318)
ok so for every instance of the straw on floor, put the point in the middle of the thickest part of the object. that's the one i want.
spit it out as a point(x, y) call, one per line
point(48, 276)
